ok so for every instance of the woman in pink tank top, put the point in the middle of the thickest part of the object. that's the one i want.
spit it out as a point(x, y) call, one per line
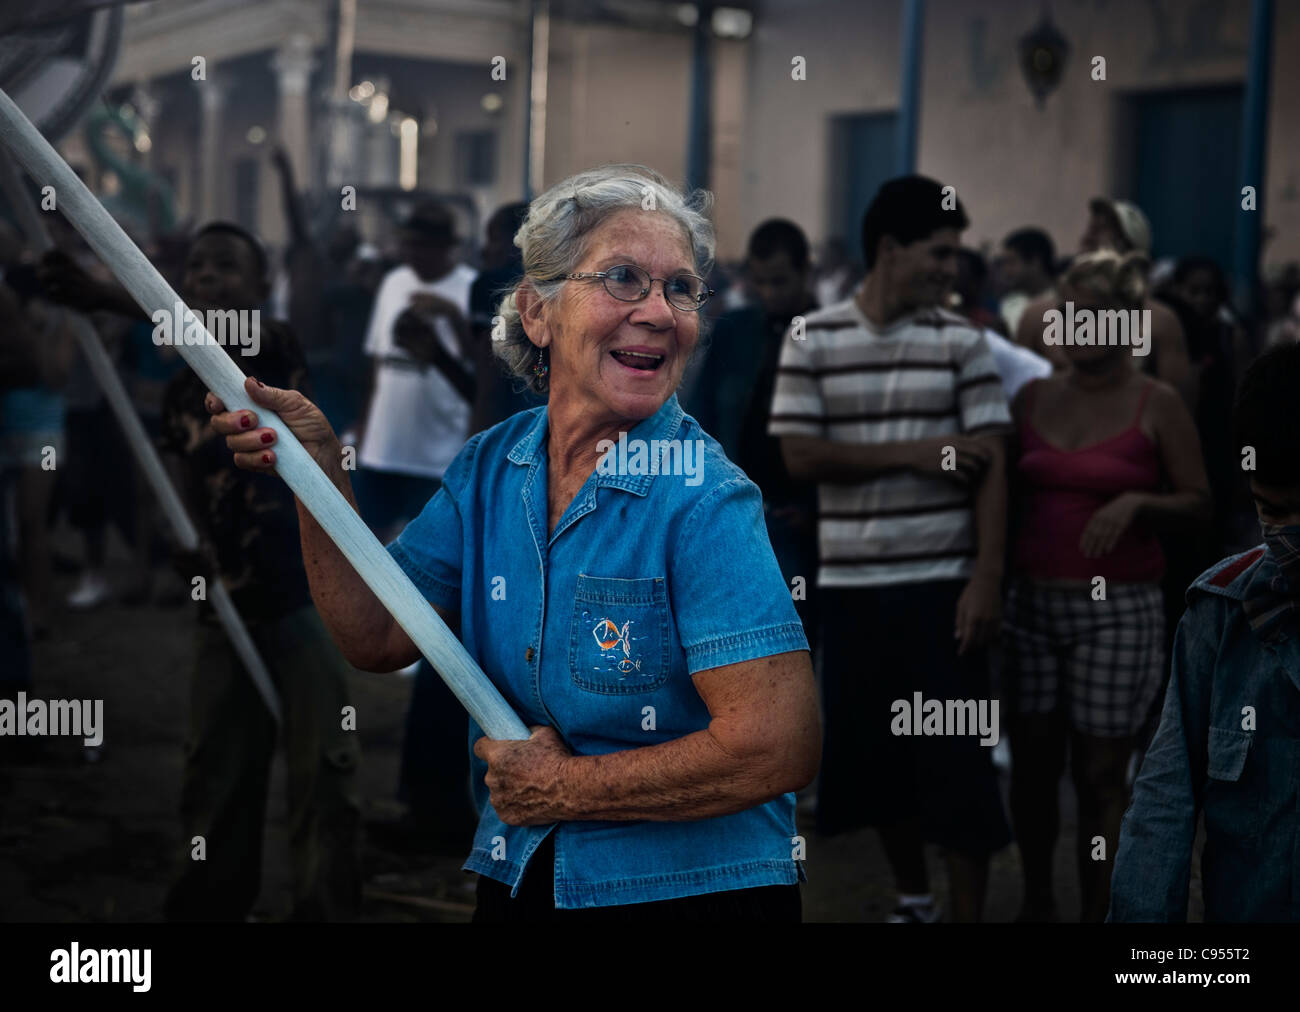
point(1108, 460)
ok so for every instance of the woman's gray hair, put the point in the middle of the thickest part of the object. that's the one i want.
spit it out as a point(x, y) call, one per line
point(554, 240)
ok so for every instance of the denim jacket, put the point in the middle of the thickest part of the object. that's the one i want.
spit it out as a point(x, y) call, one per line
point(596, 631)
point(1228, 745)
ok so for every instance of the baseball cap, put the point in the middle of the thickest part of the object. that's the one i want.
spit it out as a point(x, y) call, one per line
point(1132, 222)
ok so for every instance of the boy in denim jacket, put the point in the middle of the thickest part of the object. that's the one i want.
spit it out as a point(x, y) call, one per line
point(1229, 736)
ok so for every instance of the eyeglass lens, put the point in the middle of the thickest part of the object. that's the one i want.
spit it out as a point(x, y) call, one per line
point(630, 284)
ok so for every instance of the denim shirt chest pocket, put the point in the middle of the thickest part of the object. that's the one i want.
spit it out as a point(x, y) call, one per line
point(619, 641)
point(1232, 794)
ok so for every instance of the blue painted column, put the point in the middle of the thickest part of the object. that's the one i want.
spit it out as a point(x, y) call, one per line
point(1254, 141)
point(527, 182)
point(909, 89)
point(539, 47)
point(699, 138)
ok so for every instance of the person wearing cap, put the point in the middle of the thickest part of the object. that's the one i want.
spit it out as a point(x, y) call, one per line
point(416, 417)
point(415, 421)
point(1116, 224)
point(1120, 226)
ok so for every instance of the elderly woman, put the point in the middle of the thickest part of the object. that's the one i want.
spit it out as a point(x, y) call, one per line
point(633, 615)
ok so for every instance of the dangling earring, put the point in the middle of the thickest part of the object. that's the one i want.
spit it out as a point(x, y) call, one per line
point(541, 368)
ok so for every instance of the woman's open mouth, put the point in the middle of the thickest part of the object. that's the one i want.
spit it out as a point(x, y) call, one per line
point(641, 361)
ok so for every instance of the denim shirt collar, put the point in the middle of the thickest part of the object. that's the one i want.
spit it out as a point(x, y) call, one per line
point(1254, 579)
point(1230, 577)
point(662, 425)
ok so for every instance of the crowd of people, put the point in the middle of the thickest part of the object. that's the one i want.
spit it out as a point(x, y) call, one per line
point(909, 491)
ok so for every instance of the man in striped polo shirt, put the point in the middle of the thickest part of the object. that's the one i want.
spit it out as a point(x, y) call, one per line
point(895, 408)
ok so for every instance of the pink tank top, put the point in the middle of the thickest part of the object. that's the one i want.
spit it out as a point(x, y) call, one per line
point(1062, 489)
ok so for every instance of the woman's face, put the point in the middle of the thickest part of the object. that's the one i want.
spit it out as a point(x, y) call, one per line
point(1094, 357)
point(1201, 292)
point(590, 330)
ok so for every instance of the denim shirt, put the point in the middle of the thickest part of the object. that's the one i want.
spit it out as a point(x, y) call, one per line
point(596, 631)
point(1239, 766)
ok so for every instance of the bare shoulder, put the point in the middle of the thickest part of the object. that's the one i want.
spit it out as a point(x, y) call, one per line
point(1042, 303)
point(1043, 387)
point(1017, 404)
point(1164, 322)
point(1030, 328)
point(1164, 404)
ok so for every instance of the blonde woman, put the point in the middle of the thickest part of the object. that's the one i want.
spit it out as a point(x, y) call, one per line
point(1108, 459)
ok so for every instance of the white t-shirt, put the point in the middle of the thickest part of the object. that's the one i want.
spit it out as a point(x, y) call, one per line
point(1016, 364)
point(417, 421)
point(1012, 308)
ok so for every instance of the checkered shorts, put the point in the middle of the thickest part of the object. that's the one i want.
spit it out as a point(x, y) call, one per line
point(1108, 656)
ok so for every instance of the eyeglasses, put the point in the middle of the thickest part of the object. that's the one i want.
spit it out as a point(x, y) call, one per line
point(629, 283)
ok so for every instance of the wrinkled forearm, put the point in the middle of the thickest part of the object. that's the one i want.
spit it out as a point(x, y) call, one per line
point(359, 623)
point(693, 777)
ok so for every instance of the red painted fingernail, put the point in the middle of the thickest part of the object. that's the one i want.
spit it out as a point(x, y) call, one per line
point(245, 421)
point(268, 436)
point(266, 458)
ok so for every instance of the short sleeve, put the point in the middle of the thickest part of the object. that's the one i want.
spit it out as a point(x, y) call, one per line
point(729, 600)
point(377, 331)
point(980, 397)
point(431, 548)
point(797, 405)
point(1018, 366)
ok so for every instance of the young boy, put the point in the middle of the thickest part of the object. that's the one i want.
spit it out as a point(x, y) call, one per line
point(1230, 730)
point(249, 525)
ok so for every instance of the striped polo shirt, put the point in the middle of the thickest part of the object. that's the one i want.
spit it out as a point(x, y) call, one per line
point(929, 373)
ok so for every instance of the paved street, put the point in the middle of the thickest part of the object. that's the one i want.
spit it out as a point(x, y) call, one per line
point(94, 842)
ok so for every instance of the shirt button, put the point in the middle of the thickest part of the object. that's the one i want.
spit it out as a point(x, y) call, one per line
point(528, 655)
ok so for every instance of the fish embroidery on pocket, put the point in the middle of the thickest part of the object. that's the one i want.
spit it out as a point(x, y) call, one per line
point(610, 637)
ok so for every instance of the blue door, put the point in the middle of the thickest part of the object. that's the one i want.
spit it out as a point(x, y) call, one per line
point(1186, 157)
point(862, 157)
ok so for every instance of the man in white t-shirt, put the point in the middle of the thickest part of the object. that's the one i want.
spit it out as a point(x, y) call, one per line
point(416, 421)
point(417, 417)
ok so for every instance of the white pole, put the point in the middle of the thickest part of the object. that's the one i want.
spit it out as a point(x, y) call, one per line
point(316, 492)
point(145, 454)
